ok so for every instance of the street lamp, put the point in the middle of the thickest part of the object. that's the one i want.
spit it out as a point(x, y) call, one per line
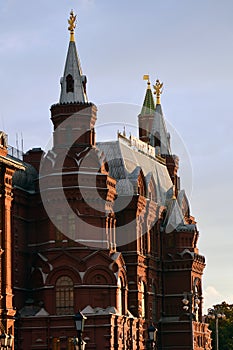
point(6, 340)
point(152, 336)
point(191, 303)
point(79, 319)
point(215, 315)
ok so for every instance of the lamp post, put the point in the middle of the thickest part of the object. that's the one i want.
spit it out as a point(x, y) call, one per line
point(191, 303)
point(152, 337)
point(79, 319)
point(215, 315)
point(6, 340)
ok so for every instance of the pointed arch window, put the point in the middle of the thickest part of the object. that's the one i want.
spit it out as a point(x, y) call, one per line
point(69, 83)
point(64, 296)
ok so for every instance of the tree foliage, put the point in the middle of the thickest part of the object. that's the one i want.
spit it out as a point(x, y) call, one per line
point(225, 326)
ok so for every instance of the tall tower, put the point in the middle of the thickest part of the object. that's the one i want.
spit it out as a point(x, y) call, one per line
point(181, 265)
point(75, 156)
point(160, 138)
point(70, 254)
point(74, 114)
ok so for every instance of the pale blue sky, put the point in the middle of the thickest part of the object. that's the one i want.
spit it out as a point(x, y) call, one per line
point(185, 43)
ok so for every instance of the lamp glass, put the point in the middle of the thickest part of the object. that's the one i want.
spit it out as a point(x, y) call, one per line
point(152, 333)
point(78, 324)
point(79, 321)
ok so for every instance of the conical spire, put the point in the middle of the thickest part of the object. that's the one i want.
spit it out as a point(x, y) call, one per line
point(159, 136)
point(145, 118)
point(148, 106)
point(73, 82)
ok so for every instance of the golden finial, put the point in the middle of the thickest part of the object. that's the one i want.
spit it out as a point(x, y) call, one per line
point(72, 25)
point(173, 192)
point(158, 87)
point(147, 77)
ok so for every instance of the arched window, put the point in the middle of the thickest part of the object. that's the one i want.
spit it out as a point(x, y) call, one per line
point(141, 188)
point(69, 83)
point(64, 296)
point(152, 191)
point(120, 296)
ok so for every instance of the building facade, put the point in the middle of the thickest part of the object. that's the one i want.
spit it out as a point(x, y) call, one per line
point(8, 166)
point(100, 227)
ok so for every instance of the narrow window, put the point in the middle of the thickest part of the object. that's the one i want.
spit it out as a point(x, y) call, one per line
point(69, 83)
point(143, 291)
point(64, 296)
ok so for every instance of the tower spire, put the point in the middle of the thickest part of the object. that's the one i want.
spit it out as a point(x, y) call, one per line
point(148, 104)
point(73, 82)
point(145, 118)
point(159, 136)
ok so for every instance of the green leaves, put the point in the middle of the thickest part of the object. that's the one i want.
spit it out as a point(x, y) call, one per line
point(225, 327)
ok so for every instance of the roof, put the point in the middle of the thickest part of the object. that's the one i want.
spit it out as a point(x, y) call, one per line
point(12, 162)
point(148, 107)
point(124, 160)
point(25, 178)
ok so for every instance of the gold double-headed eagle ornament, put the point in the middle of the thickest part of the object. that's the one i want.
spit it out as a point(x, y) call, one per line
point(72, 25)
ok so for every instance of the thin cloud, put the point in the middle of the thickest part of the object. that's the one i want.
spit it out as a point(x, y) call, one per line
point(212, 297)
point(87, 3)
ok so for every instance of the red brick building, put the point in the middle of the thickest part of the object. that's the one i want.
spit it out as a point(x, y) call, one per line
point(99, 227)
point(8, 166)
